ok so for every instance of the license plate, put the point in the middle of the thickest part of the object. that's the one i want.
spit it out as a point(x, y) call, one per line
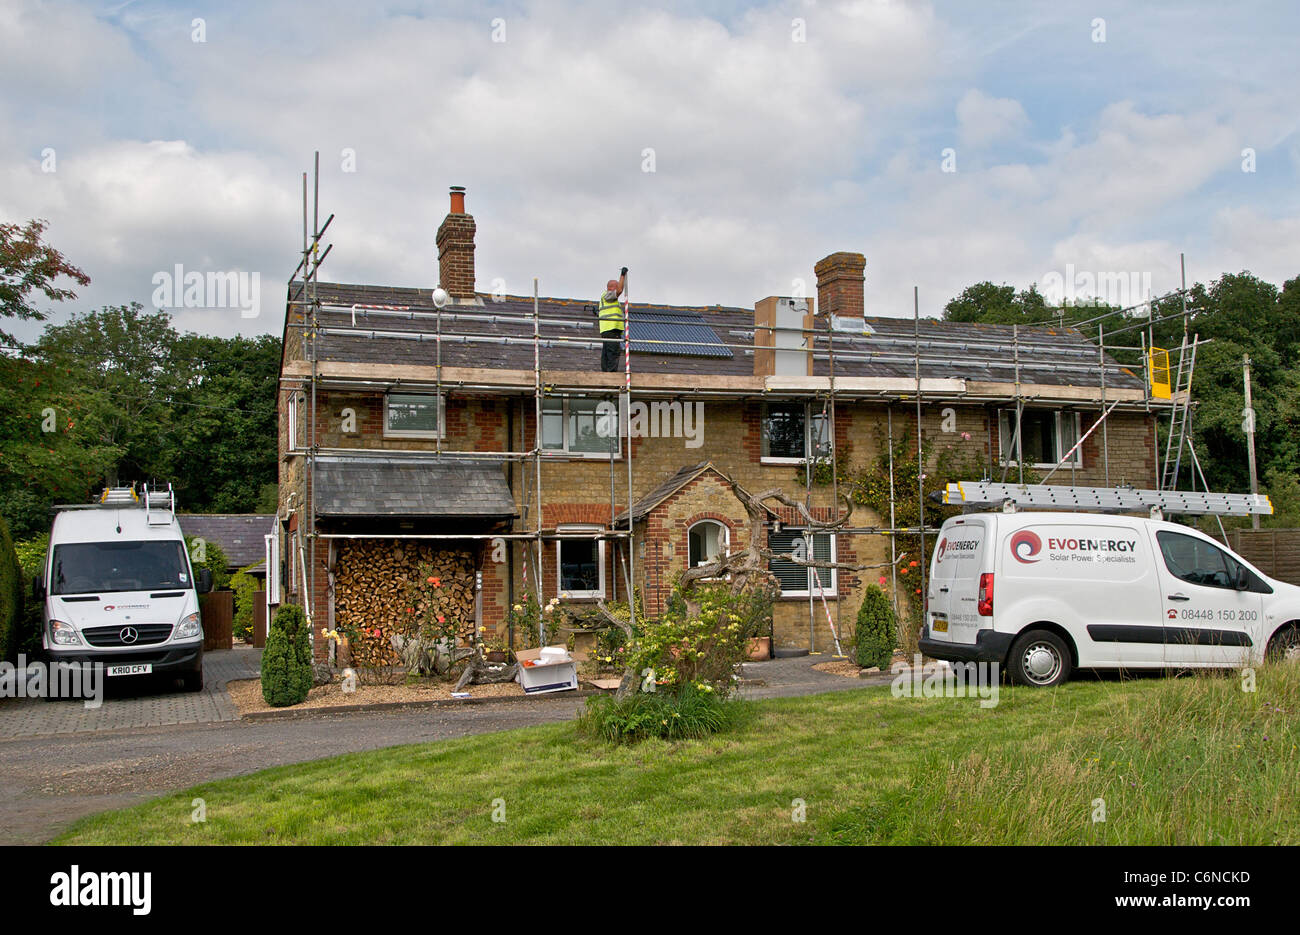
point(940, 625)
point(144, 668)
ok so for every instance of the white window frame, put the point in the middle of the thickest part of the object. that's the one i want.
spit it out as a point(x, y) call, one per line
point(830, 588)
point(810, 418)
point(291, 411)
point(439, 432)
point(724, 543)
point(563, 450)
point(1006, 432)
point(559, 560)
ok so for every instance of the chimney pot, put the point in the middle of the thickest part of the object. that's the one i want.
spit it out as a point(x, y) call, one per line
point(458, 199)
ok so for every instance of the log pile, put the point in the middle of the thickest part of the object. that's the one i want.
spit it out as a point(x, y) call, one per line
point(372, 581)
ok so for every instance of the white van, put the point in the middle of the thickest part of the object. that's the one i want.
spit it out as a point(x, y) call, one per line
point(1044, 593)
point(118, 589)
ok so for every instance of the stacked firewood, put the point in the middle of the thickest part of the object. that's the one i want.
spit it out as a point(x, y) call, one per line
point(373, 599)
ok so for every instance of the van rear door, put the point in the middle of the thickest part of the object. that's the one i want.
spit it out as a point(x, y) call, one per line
point(954, 579)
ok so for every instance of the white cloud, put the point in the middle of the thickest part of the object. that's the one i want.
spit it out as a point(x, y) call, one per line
point(982, 119)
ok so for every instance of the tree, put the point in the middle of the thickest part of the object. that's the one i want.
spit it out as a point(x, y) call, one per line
point(28, 265)
point(120, 369)
point(999, 305)
point(286, 661)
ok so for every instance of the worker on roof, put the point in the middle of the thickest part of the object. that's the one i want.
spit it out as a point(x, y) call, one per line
point(612, 316)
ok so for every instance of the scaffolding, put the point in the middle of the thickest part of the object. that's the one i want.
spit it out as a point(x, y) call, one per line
point(530, 531)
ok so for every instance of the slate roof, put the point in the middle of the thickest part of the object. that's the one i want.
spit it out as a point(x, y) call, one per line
point(432, 488)
point(1059, 356)
point(238, 534)
point(675, 482)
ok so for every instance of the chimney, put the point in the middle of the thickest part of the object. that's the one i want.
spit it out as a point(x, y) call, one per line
point(840, 281)
point(456, 248)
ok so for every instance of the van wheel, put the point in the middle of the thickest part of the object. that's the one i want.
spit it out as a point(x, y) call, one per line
point(1039, 658)
point(193, 681)
point(1285, 645)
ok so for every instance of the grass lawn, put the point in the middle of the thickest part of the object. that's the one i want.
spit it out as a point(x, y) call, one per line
point(1192, 760)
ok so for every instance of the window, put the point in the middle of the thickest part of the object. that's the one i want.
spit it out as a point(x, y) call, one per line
point(100, 567)
point(707, 542)
point(800, 580)
point(1045, 436)
point(789, 429)
point(294, 413)
point(1198, 562)
point(413, 415)
point(581, 563)
point(585, 428)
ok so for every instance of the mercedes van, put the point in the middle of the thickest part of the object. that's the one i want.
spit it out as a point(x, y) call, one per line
point(118, 589)
point(1045, 593)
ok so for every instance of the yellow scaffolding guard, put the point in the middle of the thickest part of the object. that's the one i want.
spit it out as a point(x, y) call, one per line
point(1158, 367)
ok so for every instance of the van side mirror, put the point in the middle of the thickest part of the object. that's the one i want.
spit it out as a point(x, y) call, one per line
point(38, 588)
point(205, 580)
point(1243, 578)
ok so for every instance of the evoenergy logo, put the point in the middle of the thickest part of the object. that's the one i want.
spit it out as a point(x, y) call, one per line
point(1025, 545)
point(943, 547)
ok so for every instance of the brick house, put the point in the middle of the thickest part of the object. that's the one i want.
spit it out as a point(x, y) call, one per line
point(425, 435)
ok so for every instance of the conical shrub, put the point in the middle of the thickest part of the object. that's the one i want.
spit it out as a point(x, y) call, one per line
point(286, 661)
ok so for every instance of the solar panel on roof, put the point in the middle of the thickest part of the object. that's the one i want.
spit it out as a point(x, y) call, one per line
point(681, 333)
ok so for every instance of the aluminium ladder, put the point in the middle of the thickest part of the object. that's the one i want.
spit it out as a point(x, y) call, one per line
point(1180, 416)
point(1105, 499)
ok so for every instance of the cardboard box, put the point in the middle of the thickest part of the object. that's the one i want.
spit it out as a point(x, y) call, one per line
point(551, 673)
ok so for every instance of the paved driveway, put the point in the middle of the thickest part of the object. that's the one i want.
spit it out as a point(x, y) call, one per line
point(136, 704)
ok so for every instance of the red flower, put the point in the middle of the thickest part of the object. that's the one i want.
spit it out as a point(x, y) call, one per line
point(410, 610)
point(441, 618)
point(435, 582)
point(911, 564)
point(429, 579)
point(918, 590)
point(883, 582)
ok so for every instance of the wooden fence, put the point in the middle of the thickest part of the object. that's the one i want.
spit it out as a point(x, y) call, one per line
point(1275, 552)
point(218, 611)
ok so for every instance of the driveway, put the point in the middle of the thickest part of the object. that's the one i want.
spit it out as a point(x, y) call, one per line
point(136, 704)
point(49, 779)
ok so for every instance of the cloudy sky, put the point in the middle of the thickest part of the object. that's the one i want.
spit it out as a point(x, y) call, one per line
point(950, 142)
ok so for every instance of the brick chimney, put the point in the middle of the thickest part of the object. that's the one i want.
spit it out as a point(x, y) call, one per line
point(840, 283)
point(456, 248)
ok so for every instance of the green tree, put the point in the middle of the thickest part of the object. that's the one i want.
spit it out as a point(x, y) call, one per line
point(286, 661)
point(12, 592)
point(877, 629)
point(28, 265)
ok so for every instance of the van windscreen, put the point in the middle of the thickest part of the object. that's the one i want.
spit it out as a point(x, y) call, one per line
point(96, 567)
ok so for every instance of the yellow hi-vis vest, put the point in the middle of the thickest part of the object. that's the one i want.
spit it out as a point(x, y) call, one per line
point(610, 314)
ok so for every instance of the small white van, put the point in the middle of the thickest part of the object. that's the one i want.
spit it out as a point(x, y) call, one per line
point(118, 589)
point(1044, 593)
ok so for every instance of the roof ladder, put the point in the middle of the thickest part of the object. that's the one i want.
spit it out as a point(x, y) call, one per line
point(1106, 499)
point(1180, 416)
point(159, 506)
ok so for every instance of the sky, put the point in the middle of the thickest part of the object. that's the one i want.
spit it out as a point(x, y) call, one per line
point(716, 149)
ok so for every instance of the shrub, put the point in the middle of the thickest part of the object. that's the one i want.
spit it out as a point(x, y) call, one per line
point(31, 556)
point(246, 588)
point(703, 636)
point(205, 553)
point(682, 714)
point(877, 632)
point(11, 593)
point(286, 661)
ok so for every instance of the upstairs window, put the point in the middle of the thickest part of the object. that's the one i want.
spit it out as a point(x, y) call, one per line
point(585, 428)
point(791, 430)
point(413, 415)
point(1045, 436)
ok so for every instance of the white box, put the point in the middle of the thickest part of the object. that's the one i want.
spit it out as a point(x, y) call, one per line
point(544, 676)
